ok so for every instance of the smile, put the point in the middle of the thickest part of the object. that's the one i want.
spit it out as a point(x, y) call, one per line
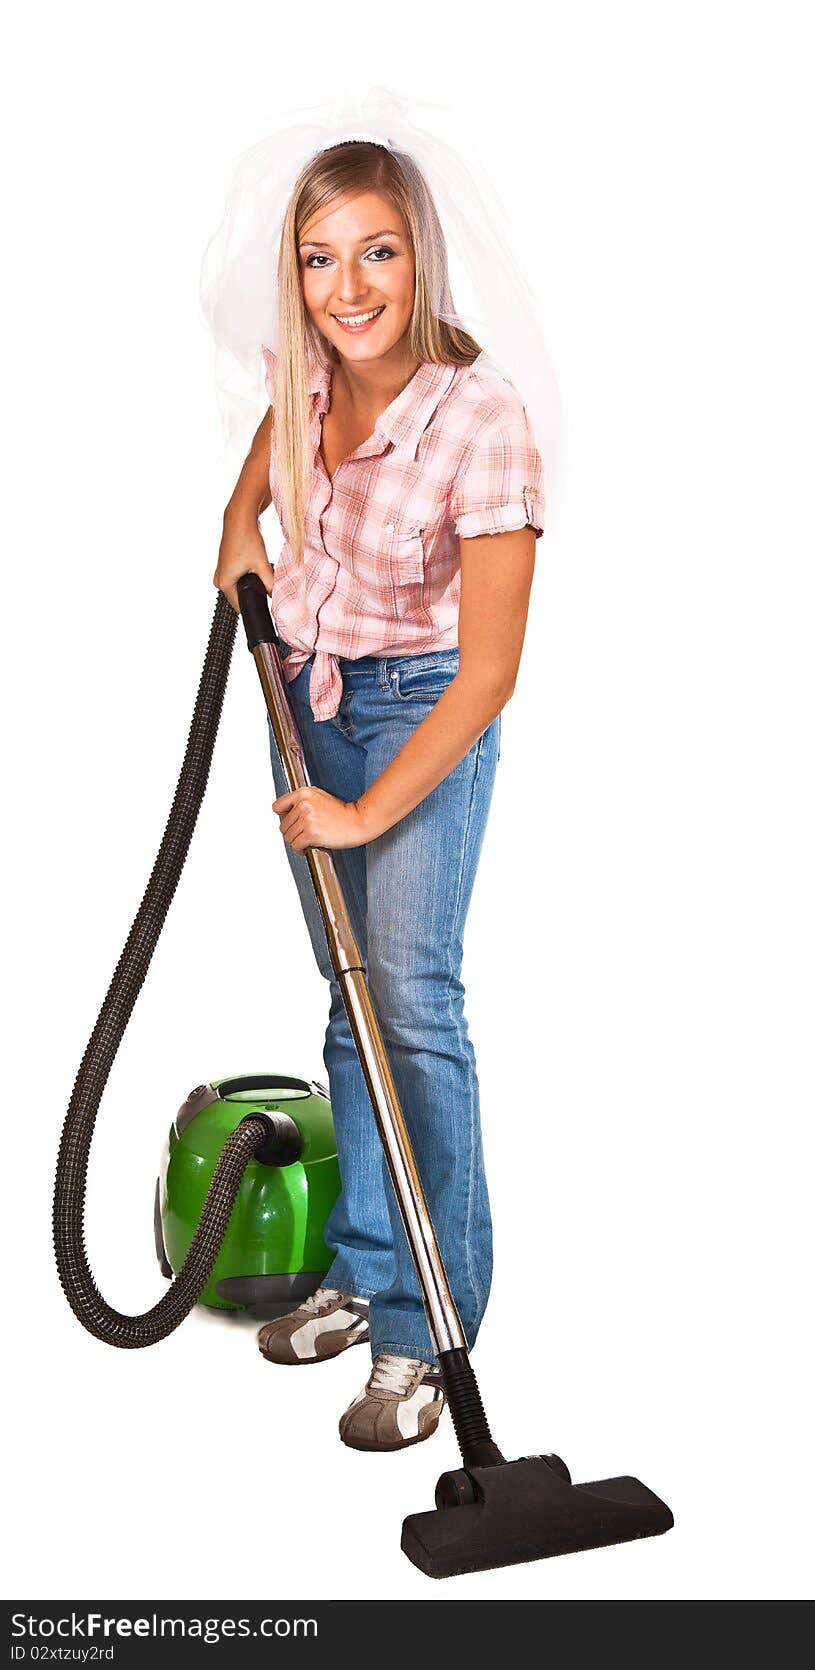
point(358, 321)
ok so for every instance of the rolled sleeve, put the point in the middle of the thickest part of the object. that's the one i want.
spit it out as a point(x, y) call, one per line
point(499, 485)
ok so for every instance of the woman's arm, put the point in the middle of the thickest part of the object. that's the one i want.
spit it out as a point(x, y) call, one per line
point(252, 493)
point(496, 580)
point(242, 550)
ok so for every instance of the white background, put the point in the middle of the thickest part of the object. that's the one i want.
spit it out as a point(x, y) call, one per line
point(639, 952)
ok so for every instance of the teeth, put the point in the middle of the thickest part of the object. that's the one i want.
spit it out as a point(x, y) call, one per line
point(359, 318)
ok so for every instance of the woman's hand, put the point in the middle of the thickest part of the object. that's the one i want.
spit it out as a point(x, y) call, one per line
point(310, 817)
point(242, 551)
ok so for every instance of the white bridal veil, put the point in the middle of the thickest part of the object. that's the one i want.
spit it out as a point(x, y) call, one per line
point(487, 294)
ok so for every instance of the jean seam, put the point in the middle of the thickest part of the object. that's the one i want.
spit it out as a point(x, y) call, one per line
point(356, 1291)
point(419, 695)
point(399, 1349)
point(448, 998)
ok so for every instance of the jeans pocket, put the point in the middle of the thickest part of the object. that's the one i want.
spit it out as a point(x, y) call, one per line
point(425, 681)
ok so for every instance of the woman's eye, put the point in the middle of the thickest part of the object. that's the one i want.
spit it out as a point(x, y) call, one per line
point(378, 250)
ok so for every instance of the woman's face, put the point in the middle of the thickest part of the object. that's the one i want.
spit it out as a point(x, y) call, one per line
point(356, 259)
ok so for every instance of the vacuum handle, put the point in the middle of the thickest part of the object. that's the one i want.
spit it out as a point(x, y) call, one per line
point(261, 1081)
point(255, 611)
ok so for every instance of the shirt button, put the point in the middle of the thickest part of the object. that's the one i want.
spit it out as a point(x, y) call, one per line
point(389, 527)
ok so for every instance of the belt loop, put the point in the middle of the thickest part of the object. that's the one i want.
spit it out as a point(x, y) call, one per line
point(384, 675)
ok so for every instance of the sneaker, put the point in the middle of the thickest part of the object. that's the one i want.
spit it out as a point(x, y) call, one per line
point(400, 1405)
point(323, 1326)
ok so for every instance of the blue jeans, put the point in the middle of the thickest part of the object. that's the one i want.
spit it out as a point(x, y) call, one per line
point(407, 894)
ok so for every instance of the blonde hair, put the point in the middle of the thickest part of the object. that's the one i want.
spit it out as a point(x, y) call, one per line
point(345, 170)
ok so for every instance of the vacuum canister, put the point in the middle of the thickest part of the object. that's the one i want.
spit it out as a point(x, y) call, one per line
point(274, 1254)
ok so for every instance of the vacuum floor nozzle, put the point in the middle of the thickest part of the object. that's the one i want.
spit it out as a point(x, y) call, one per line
point(526, 1510)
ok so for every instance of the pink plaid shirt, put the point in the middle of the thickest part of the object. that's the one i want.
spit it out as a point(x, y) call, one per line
point(451, 457)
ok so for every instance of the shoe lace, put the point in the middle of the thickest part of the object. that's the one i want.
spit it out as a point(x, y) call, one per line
point(321, 1300)
point(395, 1374)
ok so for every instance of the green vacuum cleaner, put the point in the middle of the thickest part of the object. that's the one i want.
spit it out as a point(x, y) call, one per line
point(489, 1511)
point(273, 1254)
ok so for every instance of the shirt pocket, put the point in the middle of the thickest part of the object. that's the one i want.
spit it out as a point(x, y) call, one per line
point(404, 545)
point(404, 552)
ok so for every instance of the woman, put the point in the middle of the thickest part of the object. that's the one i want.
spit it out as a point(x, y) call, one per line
point(408, 485)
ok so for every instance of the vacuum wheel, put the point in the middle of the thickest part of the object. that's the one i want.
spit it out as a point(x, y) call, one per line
point(557, 1466)
point(455, 1490)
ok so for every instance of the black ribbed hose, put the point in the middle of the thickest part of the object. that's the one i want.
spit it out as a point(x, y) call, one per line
point(75, 1272)
point(475, 1441)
